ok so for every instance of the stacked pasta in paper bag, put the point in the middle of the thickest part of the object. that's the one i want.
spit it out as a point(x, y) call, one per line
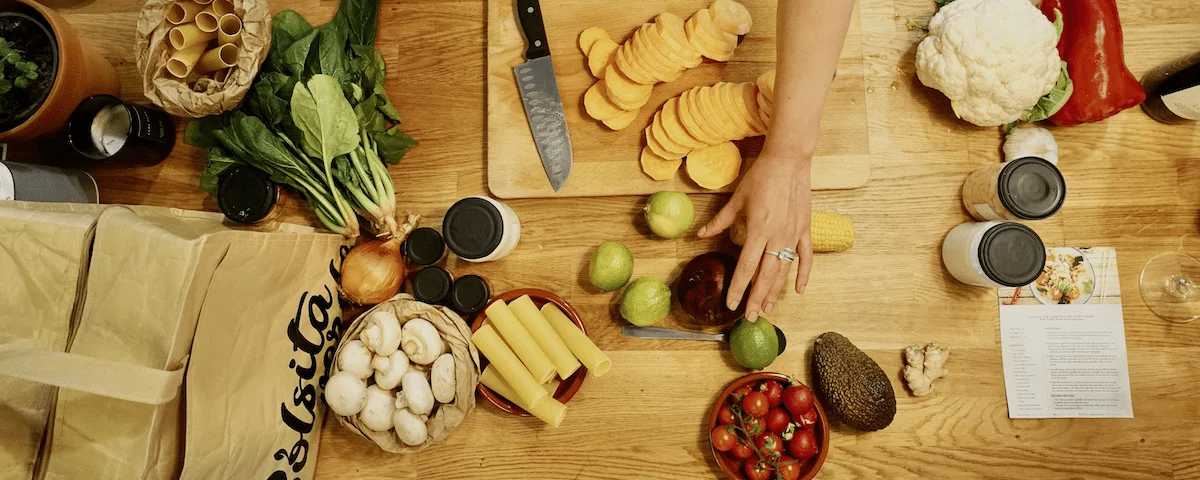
point(532, 350)
point(205, 39)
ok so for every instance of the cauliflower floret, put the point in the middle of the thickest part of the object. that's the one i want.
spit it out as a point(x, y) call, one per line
point(993, 58)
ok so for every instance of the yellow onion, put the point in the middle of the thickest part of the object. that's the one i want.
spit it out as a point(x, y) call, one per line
point(373, 272)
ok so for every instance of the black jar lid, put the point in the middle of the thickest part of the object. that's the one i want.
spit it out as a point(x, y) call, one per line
point(431, 285)
point(246, 195)
point(424, 246)
point(473, 228)
point(1032, 188)
point(470, 294)
point(1012, 254)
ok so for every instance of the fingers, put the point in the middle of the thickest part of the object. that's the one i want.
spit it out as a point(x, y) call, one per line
point(748, 261)
point(724, 218)
point(805, 250)
point(768, 272)
point(777, 287)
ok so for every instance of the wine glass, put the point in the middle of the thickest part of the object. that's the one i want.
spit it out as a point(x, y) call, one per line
point(1171, 286)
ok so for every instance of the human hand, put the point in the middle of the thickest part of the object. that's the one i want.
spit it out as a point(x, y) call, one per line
point(775, 196)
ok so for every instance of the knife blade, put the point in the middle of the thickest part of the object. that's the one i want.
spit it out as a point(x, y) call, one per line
point(670, 334)
point(539, 94)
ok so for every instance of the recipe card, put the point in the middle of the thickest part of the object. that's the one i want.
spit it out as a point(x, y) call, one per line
point(1063, 339)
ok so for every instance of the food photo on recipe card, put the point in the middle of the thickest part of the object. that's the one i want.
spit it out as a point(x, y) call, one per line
point(1063, 339)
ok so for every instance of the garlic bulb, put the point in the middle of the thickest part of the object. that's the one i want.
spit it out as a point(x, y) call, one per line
point(1031, 142)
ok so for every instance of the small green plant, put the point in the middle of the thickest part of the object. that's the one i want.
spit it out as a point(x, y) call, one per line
point(14, 72)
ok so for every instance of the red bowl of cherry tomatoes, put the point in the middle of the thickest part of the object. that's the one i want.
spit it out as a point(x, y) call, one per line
point(768, 426)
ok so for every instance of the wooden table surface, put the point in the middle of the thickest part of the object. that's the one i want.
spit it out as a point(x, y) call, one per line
point(1134, 185)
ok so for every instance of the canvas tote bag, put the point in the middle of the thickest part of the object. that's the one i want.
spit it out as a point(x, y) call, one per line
point(157, 278)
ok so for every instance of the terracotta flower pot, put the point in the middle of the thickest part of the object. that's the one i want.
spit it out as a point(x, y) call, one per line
point(79, 74)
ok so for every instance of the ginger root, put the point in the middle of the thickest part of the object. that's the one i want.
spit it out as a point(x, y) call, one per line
point(923, 366)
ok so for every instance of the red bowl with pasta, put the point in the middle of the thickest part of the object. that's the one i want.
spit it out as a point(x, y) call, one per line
point(567, 389)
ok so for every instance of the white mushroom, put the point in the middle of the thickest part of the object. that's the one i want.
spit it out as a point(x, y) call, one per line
point(422, 341)
point(415, 394)
point(410, 428)
point(442, 378)
point(389, 369)
point(345, 393)
point(355, 358)
point(382, 334)
point(377, 414)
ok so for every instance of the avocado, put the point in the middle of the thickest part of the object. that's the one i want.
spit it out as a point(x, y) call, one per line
point(850, 385)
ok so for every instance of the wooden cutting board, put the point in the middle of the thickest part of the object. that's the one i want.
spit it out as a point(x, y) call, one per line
point(606, 162)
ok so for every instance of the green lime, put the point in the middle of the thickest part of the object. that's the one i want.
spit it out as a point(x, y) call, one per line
point(646, 301)
point(669, 214)
point(611, 266)
point(754, 344)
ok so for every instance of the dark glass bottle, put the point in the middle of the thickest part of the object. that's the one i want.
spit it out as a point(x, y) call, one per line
point(1173, 91)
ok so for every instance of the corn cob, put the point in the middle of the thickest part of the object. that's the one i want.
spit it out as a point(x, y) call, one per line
point(831, 232)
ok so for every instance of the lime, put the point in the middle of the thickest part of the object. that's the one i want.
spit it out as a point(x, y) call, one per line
point(611, 266)
point(754, 344)
point(646, 301)
point(669, 214)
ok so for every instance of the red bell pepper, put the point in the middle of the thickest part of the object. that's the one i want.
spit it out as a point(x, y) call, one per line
point(1091, 44)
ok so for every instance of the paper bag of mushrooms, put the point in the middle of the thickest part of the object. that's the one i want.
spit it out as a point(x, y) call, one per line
point(199, 57)
point(405, 375)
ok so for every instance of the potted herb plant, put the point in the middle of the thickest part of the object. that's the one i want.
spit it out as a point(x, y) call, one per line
point(45, 71)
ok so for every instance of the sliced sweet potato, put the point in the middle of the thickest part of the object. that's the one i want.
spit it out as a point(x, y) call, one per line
point(689, 117)
point(674, 129)
point(589, 37)
point(709, 40)
point(747, 102)
point(670, 28)
point(731, 16)
point(658, 45)
point(718, 119)
point(669, 146)
point(765, 110)
point(601, 55)
point(621, 120)
point(766, 84)
point(651, 61)
point(726, 93)
point(657, 167)
point(630, 68)
point(656, 147)
point(716, 166)
point(703, 119)
point(597, 104)
point(625, 93)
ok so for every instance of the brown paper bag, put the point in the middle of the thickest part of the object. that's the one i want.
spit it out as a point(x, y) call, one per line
point(209, 97)
point(153, 275)
point(268, 331)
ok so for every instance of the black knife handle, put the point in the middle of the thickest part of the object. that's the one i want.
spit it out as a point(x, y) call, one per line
point(529, 14)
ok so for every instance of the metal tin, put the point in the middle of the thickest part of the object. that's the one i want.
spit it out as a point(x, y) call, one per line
point(105, 128)
point(41, 183)
point(432, 285)
point(424, 246)
point(247, 196)
point(470, 294)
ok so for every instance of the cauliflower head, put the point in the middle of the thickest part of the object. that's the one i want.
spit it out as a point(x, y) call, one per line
point(994, 59)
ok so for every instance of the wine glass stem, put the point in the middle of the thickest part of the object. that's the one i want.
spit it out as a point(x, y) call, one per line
point(1180, 287)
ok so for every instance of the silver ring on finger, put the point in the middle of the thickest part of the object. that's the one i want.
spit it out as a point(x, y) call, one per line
point(785, 255)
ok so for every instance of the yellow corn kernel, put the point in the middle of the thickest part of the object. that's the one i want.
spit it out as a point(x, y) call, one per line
point(831, 232)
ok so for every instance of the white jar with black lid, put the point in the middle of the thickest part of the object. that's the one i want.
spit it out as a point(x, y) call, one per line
point(481, 229)
point(994, 254)
point(1028, 188)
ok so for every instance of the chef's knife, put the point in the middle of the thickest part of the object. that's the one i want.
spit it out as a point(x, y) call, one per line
point(672, 334)
point(539, 94)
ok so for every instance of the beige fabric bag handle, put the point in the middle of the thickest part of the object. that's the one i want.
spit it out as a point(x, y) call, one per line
point(107, 378)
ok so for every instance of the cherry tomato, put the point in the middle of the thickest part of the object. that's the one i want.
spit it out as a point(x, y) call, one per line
point(768, 443)
point(808, 419)
point(725, 415)
point(803, 445)
point(739, 394)
point(773, 391)
point(798, 399)
point(757, 470)
point(777, 420)
point(723, 438)
point(754, 426)
point(755, 404)
point(742, 451)
point(786, 470)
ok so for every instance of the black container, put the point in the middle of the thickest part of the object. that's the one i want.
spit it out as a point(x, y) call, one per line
point(470, 294)
point(1012, 254)
point(432, 285)
point(247, 195)
point(105, 128)
point(424, 246)
point(473, 228)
